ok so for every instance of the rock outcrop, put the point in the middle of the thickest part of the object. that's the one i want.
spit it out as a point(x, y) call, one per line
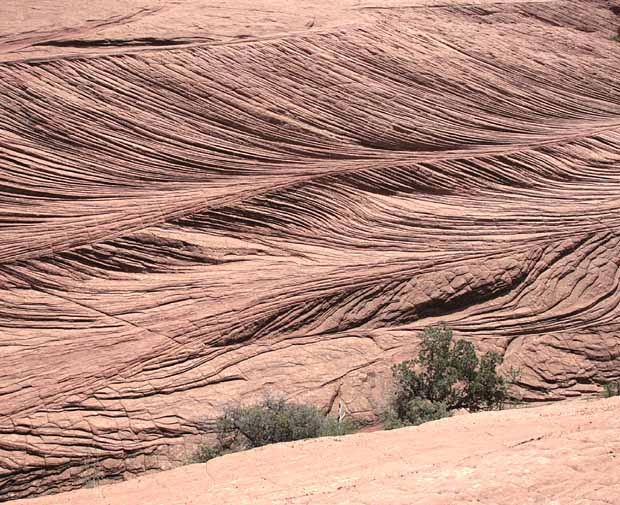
point(193, 222)
point(565, 454)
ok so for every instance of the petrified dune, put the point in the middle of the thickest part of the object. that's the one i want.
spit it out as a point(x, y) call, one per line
point(565, 454)
point(200, 203)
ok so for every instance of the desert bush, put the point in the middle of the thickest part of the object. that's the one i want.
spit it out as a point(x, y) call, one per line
point(270, 421)
point(334, 427)
point(414, 413)
point(445, 376)
point(611, 389)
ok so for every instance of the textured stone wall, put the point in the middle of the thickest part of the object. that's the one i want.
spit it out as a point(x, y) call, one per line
point(184, 227)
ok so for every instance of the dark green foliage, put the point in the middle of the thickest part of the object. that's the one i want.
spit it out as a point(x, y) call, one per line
point(269, 422)
point(415, 412)
point(487, 389)
point(446, 375)
point(612, 389)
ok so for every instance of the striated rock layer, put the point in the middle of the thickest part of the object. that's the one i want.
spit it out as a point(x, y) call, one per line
point(565, 454)
point(284, 209)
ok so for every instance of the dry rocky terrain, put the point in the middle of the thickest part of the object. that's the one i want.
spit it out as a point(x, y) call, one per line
point(203, 201)
point(564, 454)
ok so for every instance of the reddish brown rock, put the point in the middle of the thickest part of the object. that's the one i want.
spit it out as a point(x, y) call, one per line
point(188, 221)
point(565, 454)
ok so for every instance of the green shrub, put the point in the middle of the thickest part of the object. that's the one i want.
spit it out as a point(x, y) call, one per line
point(612, 389)
point(269, 422)
point(416, 412)
point(446, 375)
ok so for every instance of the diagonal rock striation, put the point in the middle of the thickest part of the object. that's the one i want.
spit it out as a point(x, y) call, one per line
point(186, 227)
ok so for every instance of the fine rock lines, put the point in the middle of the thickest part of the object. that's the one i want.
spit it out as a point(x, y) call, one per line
point(188, 226)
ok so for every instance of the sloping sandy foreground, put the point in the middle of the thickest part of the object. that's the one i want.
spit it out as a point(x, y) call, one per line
point(564, 454)
point(203, 202)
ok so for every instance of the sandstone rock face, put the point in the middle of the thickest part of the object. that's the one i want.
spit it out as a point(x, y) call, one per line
point(565, 454)
point(200, 204)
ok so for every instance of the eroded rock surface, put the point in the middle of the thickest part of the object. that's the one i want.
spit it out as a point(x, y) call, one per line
point(191, 225)
point(565, 454)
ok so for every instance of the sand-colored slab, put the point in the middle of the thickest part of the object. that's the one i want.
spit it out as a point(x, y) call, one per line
point(566, 454)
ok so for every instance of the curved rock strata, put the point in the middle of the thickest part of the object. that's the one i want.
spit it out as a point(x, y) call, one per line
point(185, 227)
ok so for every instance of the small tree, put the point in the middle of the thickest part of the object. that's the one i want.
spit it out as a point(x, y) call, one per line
point(446, 375)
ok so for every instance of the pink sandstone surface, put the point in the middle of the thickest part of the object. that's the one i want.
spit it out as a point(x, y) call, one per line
point(201, 202)
point(564, 454)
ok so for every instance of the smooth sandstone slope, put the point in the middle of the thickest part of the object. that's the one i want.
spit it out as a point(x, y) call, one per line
point(565, 454)
point(192, 225)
